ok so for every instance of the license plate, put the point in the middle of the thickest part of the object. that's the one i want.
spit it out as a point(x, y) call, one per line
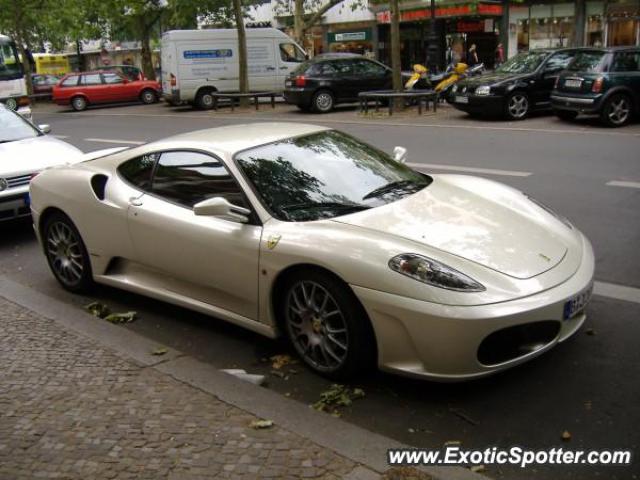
point(460, 99)
point(27, 200)
point(572, 83)
point(577, 303)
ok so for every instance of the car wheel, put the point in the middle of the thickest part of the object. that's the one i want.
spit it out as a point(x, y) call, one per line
point(204, 99)
point(323, 101)
point(327, 326)
point(79, 103)
point(66, 253)
point(566, 115)
point(617, 111)
point(148, 97)
point(517, 106)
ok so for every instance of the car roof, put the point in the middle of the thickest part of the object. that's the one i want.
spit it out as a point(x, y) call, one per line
point(234, 138)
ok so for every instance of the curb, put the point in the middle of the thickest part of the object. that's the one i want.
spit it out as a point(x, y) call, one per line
point(354, 443)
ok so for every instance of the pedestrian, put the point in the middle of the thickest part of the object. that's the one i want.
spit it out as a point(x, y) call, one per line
point(472, 56)
point(499, 60)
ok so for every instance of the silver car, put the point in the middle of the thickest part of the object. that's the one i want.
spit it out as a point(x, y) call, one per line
point(25, 150)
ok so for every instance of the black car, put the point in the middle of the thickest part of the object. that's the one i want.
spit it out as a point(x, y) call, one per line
point(519, 86)
point(601, 81)
point(324, 81)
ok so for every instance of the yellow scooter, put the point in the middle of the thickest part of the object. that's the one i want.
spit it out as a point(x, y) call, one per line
point(448, 81)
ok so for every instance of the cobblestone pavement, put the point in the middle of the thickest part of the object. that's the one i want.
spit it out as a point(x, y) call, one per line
point(71, 409)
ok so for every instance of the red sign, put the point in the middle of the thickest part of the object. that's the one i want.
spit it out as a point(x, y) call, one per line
point(467, 26)
point(452, 11)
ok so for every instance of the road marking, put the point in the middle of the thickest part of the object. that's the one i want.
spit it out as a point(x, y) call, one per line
point(110, 140)
point(61, 137)
point(620, 183)
point(454, 168)
point(618, 292)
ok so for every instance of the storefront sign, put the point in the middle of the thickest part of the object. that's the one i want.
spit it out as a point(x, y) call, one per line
point(359, 36)
point(449, 11)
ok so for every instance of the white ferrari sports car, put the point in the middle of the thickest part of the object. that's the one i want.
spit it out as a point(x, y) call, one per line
point(308, 232)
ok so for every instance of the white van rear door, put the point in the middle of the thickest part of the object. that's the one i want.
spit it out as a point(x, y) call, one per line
point(289, 56)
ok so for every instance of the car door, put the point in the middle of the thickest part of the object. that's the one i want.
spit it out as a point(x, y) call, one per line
point(625, 72)
point(370, 75)
point(290, 56)
point(261, 64)
point(549, 72)
point(117, 88)
point(208, 259)
point(345, 83)
point(91, 85)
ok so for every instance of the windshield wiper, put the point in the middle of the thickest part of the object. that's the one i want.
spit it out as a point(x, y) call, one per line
point(334, 205)
point(390, 187)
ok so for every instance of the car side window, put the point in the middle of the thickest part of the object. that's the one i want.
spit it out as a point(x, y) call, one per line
point(137, 171)
point(188, 178)
point(70, 81)
point(323, 68)
point(626, 62)
point(290, 53)
point(368, 68)
point(112, 78)
point(343, 67)
point(91, 79)
point(559, 61)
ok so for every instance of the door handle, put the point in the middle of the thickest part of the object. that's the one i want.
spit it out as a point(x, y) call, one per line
point(271, 68)
point(136, 201)
point(284, 68)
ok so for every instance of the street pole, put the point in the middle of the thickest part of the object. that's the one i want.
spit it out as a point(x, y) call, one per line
point(433, 49)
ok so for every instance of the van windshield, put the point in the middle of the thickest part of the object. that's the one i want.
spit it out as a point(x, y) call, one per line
point(10, 66)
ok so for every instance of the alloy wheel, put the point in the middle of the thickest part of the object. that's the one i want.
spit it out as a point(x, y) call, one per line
point(148, 97)
point(518, 106)
point(619, 110)
point(79, 103)
point(65, 253)
point(324, 101)
point(317, 326)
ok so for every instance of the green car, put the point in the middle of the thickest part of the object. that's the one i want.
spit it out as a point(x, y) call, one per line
point(600, 81)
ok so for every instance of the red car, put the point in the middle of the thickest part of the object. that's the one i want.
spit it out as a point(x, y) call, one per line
point(89, 88)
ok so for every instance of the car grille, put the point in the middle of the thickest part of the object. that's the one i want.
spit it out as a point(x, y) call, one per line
point(17, 181)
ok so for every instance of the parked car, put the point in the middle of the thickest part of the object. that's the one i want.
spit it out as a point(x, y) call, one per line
point(304, 231)
point(602, 81)
point(25, 150)
point(129, 71)
point(90, 88)
point(519, 86)
point(43, 84)
point(323, 82)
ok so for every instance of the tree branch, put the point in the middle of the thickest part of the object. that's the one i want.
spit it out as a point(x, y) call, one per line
point(316, 16)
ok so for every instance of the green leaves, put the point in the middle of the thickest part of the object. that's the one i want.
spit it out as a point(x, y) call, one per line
point(337, 396)
point(100, 310)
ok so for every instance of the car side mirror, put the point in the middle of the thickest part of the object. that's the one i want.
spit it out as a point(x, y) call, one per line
point(45, 128)
point(400, 154)
point(221, 207)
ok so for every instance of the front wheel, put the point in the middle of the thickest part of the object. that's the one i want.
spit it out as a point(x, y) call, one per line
point(79, 103)
point(323, 101)
point(204, 100)
point(617, 111)
point(148, 97)
point(517, 107)
point(66, 253)
point(327, 326)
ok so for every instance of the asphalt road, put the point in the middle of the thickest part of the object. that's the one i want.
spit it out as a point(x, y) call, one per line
point(587, 386)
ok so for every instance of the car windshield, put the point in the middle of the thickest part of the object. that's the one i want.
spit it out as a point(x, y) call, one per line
point(10, 67)
point(588, 62)
point(325, 175)
point(523, 63)
point(13, 127)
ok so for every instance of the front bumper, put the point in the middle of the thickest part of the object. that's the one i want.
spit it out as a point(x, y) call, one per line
point(582, 104)
point(14, 203)
point(441, 342)
point(478, 104)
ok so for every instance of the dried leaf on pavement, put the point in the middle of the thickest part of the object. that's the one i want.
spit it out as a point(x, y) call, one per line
point(478, 468)
point(279, 361)
point(405, 473)
point(566, 436)
point(97, 309)
point(337, 396)
point(159, 351)
point(126, 317)
point(261, 424)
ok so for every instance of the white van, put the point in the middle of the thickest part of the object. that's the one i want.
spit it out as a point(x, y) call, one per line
point(196, 63)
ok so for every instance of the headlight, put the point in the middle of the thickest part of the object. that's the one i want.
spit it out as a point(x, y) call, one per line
point(483, 90)
point(562, 218)
point(431, 272)
point(454, 89)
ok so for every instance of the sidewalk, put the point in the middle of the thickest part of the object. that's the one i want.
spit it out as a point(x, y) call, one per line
point(84, 399)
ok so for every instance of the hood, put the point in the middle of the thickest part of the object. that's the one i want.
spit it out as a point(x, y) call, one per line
point(476, 219)
point(493, 79)
point(35, 154)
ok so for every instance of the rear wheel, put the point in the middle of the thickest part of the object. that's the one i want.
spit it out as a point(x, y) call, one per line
point(148, 97)
point(204, 99)
point(517, 107)
point(79, 103)
point(617, 111)
point(566, 115)
point(66, 253)
point(323, 101)
point(327, 325)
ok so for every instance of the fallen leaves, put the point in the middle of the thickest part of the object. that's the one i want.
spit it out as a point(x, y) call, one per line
point(279, 361)
point(337, 396)
point(100, 310)
point(261, 424)
point(117, 318)
point(159, 351)
point(97, 309)
point(405, 473)
point(566, 436)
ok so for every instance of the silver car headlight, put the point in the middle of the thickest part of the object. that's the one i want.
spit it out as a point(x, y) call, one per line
point(434, 273)
point(483, 90)
point(562, 218)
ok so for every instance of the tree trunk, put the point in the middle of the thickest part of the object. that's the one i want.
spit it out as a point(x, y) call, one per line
point(242, 51)
point(26, 64)
point(147, 61)
point(298, 23)
point(396, 65)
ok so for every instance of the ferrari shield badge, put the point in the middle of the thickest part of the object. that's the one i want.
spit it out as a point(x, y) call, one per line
point(273, 241)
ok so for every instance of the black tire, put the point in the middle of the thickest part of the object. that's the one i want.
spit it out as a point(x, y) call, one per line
point(323, 101)
point(148, 96)
point(517, 106)
point(204, 99)
point(79, 103)
point(316, 336)
point(66, 253)
point(566, 115)
point(617, 110)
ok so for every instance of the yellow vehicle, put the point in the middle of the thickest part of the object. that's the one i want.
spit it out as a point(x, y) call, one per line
point(458, 72)
point(52, 64)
